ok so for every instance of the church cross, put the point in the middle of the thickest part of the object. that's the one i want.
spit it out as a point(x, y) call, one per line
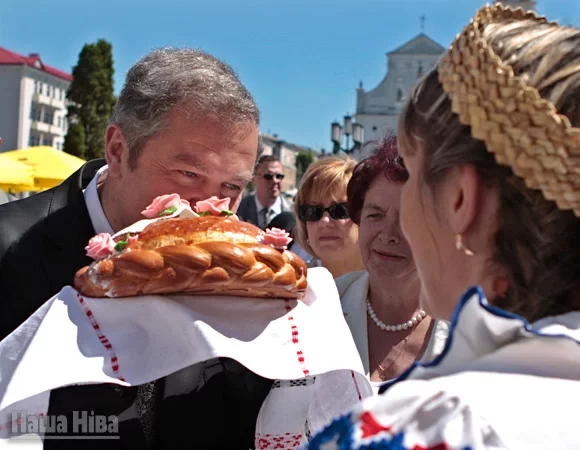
point(422, 19)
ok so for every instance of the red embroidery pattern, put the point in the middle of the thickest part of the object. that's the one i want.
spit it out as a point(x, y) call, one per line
point(294, 329)
point(102, 337)
point(370, 426)
point(286, 441)
point(442, 446)
point(356, 384)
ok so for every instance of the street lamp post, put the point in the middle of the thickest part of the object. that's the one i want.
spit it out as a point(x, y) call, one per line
point(350, 128)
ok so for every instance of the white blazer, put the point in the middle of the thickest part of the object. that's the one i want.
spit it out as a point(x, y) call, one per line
point(353, 289)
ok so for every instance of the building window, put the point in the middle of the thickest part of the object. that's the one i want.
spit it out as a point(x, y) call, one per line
point(35, 114)
point(49, 117)
point(420, 70)
point(34, 140)
point(400, 95)
point(59, 121)
point(47, 140)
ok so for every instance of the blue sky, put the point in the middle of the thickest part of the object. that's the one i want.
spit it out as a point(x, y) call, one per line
point(302, 59)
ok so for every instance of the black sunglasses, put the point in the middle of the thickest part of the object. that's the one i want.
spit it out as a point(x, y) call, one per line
point(313, 213)
point(271, 176)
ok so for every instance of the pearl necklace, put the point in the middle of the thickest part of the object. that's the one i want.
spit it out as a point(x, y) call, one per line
point(401, 326)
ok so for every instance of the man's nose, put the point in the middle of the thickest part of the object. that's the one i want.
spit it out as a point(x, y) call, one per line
point(202, 193)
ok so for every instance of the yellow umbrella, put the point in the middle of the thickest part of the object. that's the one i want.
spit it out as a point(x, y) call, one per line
point(14, 172)
point(50, 166)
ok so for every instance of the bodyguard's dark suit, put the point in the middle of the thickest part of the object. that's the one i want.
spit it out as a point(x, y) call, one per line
point(42, 245)
point(248, 210)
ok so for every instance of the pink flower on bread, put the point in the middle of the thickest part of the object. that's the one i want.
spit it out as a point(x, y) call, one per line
point(213, 205)
point(100, 246)
point(277, 238)
point(163, 203)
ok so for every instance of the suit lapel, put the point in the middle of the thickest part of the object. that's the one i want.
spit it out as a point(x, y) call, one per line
point(353, 301)
point(67, 229)
point(253, 210)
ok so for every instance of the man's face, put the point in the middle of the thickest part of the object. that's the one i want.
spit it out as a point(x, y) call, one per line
point(196, 159)
point(267, 179)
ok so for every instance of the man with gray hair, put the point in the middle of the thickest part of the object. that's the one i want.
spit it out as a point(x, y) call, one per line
point(184, 124)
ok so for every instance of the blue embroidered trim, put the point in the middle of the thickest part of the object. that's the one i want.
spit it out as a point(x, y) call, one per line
point(476, 290)
point(339, 430)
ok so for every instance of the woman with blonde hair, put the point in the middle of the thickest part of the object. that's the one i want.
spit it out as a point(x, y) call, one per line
point(324, 228)
point(491, 211)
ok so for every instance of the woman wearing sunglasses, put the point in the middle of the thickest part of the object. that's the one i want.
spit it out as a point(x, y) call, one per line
point(381, 304)
point(324, 228)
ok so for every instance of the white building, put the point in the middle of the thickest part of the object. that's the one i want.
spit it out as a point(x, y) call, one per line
point(286, 152)
point(378, 110)
point(32, 102)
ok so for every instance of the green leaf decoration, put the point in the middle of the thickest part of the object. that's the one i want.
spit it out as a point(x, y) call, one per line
point(167, 212)
point(121, 245)
point(226, 212)
point(204, 213)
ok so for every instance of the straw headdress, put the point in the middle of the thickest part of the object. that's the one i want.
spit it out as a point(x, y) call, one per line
point(521, 129)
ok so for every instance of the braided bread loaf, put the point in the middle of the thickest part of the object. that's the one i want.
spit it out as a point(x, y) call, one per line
point(204, 255)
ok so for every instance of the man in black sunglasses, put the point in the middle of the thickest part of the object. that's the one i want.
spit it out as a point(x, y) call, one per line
point(266, 203)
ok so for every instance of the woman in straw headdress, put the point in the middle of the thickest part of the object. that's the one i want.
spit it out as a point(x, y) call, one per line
point(491, 210)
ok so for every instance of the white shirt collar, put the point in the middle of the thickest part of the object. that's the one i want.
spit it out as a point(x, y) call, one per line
point(98, 218)
point(274, 210)
point(276, 206)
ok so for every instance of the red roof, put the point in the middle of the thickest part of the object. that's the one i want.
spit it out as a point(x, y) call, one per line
point(10, 58)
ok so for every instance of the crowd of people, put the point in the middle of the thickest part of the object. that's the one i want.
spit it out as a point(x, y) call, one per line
point(454, 246)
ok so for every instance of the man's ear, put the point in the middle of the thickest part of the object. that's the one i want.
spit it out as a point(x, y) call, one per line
point(116, 150)
point(462, 195)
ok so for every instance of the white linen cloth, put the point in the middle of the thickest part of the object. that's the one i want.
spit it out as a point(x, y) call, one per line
point(73, 339)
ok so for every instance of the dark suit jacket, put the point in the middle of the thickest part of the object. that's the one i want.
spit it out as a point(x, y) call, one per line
point(42, 241)
point(248, 211)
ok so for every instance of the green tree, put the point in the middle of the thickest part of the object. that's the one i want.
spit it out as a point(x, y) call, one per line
point(303, 160)
point(74, 141)
point(91, 98)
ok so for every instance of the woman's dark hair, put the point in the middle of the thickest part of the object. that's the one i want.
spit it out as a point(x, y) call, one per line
point(384, 161)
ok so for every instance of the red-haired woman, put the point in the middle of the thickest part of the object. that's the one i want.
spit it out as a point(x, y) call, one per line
point(381, 303)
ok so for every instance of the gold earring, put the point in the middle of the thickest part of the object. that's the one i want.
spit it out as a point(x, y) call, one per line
point(460, 247)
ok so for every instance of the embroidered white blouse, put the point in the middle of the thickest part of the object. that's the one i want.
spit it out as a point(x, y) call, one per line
point(500, 383)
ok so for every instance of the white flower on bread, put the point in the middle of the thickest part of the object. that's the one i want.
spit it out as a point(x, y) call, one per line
point(182, 211)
